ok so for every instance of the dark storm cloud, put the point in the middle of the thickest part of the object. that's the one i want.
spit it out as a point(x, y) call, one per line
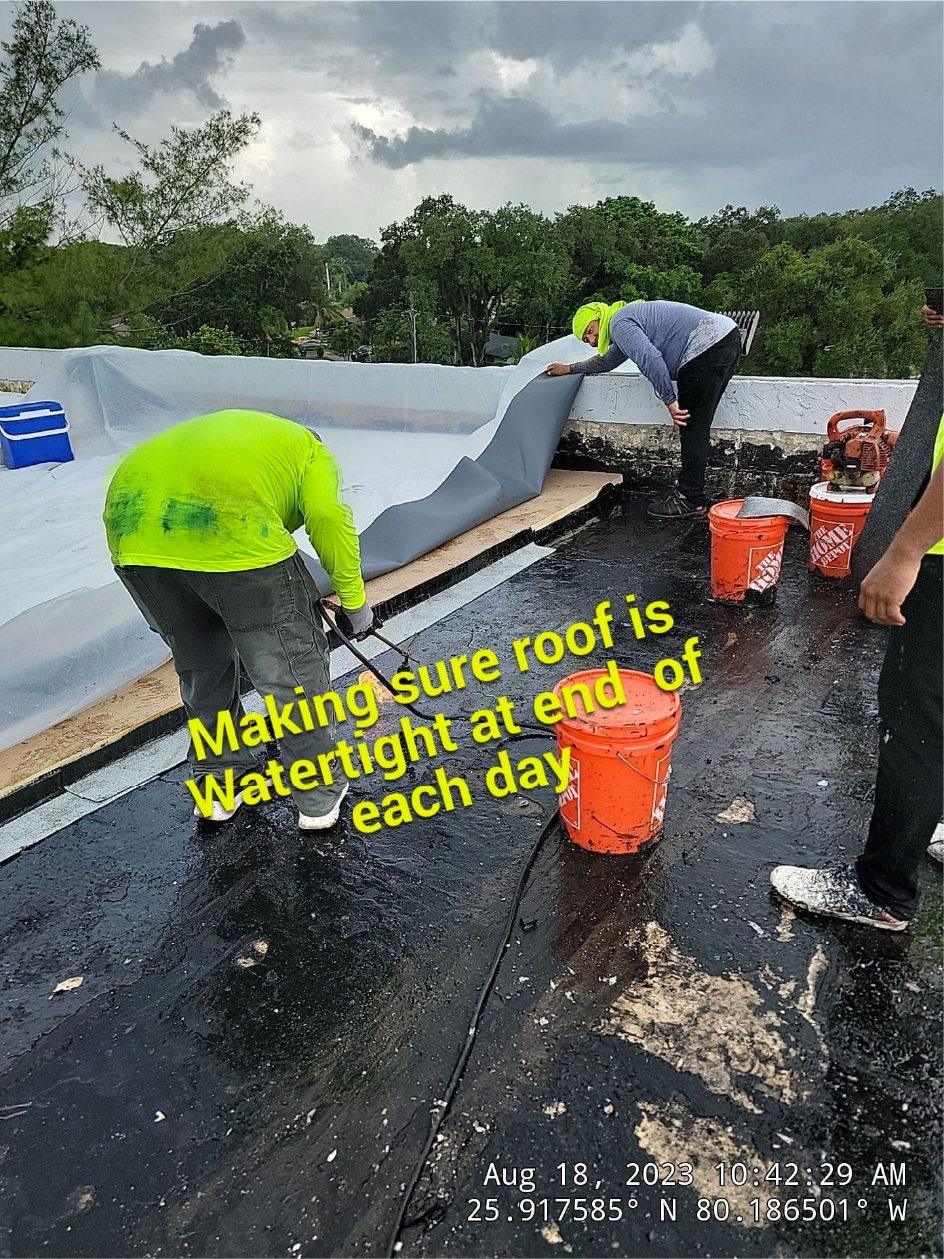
point(571, 34)
point(808, 105)
point(209, 55)
point(395, 38)
point(514, 126)
point(503, 127)
point(843, 84)
point(401, 34)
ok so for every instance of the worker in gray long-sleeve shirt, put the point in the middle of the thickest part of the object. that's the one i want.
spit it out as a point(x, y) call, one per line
point(667, 341)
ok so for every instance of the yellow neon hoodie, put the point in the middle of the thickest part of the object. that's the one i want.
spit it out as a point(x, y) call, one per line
point(224, 493)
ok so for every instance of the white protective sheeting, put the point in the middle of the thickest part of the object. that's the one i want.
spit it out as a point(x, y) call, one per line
point(69, 633)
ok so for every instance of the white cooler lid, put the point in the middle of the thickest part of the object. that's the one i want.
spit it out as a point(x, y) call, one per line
point(821, 490)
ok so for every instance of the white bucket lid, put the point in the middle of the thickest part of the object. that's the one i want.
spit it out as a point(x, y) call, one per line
point(822, 491)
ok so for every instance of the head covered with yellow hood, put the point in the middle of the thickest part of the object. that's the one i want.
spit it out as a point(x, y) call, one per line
point(598, 310)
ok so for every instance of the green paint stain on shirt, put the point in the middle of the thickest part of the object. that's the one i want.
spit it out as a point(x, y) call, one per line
point(190, 515)
point(124, 512)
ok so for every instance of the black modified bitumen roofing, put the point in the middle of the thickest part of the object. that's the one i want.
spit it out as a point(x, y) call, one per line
point(268, 1023)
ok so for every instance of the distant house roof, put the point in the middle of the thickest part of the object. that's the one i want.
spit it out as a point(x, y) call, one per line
point(499, 346)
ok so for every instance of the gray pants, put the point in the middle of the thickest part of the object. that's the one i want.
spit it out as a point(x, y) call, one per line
point(267, 619)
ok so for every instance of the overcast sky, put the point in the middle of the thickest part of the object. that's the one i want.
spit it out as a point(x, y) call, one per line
point(367, 107)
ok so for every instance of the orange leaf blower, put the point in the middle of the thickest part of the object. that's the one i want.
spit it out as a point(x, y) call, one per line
point(856, 457)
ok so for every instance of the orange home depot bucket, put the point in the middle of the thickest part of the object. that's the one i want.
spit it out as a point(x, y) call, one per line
point(745, 554)
point(619, 759)
point(836, 520)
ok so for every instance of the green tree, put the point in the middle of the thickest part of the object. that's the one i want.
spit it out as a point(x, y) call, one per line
point(212, 341)
point(463, 267)
point(734, 239)
point(64, 296)
point(42, 55)
point(392, 337)
point(523, 345)
point(676, 284)
point(345, 338)
point(70, 293)
point(204, 340)
point(646, 236)
point(354, 254)
point(182, 183)
point(240, 273)
point(625, 247)
point(907, 229)
point(838, 311)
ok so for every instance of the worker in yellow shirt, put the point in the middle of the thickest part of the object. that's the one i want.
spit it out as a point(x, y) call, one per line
point(199, 522)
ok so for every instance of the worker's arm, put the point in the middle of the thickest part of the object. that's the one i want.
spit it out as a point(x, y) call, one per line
point(330, 526)
point(889, 583)
point(591, 366)
point(599, 363)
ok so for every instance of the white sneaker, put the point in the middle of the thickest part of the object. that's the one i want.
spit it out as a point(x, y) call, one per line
point(326, 820)
point(218, 811)
point(832, 893)
point(936, 850)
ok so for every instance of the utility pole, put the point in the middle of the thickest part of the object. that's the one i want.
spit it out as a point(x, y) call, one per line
point(413, 313)
point(328, 280)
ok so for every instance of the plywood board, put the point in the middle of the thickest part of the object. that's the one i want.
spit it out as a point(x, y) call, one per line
point(156, 694)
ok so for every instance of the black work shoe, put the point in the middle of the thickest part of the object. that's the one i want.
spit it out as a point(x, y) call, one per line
point(676, 507)
point(833, 894)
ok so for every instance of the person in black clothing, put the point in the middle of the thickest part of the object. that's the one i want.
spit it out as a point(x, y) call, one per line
point(668, 341)
point(904, 590)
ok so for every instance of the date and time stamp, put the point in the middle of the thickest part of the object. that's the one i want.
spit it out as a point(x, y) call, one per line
point(752, 1195)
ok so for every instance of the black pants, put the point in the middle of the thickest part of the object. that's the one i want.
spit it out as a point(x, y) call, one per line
point(701, 382)
point(266, 618)
point(908, 789)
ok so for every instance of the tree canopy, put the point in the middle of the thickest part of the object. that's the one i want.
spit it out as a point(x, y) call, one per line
point(171, 255)
point(42, 55)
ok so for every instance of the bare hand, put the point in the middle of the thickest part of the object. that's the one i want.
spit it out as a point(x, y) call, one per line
point(559, 369)
point(932, 318)
point(886, 588)
point(679, 415)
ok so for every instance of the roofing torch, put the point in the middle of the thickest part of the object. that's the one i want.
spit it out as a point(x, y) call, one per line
point(526, 730)
point(324, 608)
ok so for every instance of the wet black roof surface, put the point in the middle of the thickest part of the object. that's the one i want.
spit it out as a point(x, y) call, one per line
point(266, 1023)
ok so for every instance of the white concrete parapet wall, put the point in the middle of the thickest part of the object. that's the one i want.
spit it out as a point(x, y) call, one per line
point(25, 365)
point(768, 404)
point(766, 438)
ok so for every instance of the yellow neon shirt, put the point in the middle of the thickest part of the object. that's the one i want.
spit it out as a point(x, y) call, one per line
point(938, 548)
point(224, 493)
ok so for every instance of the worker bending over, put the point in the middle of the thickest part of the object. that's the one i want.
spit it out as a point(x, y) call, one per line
point(668, 341)
point(200, 521)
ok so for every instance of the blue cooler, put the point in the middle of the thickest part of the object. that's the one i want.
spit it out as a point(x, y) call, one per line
point(34, 432)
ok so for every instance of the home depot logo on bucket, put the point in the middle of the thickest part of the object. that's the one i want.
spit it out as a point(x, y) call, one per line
point(830, 542)
point(569, 803)
point(764, 571)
